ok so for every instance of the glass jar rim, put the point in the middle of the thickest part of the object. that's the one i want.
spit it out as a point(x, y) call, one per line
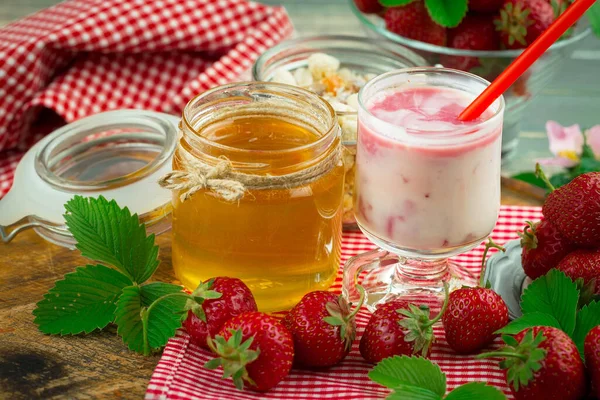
point(260, 86)
point(120, 119)
point(376, 48)
point(441, 134)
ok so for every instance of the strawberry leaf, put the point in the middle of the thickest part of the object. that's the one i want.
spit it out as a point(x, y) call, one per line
point(111, 235)
point(529, 320)
point(587, 318)
point(447, 13)
point(404, 392)
point(476, 391)
point(531, 178)
point(394, 3)
point(554, 294)
point(83, 301)
point(395, 371)
point(593, 15)
point(161, 321)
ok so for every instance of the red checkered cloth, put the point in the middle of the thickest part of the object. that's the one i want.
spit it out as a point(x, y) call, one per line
point(85, 56)
point(180, 375)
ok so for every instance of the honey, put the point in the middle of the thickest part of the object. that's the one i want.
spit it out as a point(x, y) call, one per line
point(282, 242)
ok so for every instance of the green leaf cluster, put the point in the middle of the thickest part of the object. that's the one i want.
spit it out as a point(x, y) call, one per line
point(587, 163)
point(418, 378)
point(114, 290)
point(554, 300)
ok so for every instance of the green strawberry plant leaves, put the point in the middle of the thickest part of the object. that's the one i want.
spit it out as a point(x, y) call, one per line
point(447, 13)
point(394, 3)
point(83, 301)
point(593, 15)
point(553, 300)
point(553, 294)
point(587, 318)
point(92, 297)
point(475, 390)
point(111, 235)
point(527, 321)
point(417, 378)
point(420, 372)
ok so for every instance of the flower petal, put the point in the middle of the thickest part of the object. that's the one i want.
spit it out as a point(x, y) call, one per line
point(558, 161)
point(567, 138)
point(593, 139)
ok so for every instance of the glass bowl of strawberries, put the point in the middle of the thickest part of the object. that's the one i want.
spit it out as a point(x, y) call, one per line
point(478, 36)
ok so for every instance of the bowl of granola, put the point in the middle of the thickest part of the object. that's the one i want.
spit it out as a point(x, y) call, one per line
point(336, 68)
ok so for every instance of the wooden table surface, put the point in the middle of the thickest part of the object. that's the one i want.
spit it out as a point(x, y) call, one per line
point(98, 365)
point(33, 365)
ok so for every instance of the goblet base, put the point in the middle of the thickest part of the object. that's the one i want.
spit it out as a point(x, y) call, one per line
point(386, 277)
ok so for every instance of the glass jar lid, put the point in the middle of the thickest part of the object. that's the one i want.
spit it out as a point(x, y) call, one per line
point(120, 155)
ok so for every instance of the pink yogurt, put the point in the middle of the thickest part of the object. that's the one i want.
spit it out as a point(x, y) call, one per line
point(426, 182)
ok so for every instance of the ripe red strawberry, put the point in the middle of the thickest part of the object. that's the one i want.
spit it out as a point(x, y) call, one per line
point(575, 209)
point(542, 363)
point(323, 328)
point(413, 21)
point(485, 6)
point(369, 6)
point(472, 317)
point(475, 32)
point(584, 264)
point(521, 21)
point(254, 348)
point(218, 300)
point(543, 248)
point(591, 349)
point(396, 328)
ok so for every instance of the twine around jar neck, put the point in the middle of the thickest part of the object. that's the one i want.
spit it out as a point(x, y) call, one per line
point(226, 183)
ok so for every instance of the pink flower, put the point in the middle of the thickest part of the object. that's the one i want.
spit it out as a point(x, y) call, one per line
point(593, 139)
point(566, 143)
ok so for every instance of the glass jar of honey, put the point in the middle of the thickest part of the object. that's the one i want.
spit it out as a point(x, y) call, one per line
point(257, 188)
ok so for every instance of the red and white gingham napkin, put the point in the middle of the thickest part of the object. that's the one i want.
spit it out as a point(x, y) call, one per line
point(85, 56)
point(180, 375)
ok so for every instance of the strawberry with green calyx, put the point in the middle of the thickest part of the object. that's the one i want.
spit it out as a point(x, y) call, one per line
point(254, 349)
point(213, 303)
point(399, 327)
point(521, 21)
point(575, 208)
point(542, 363)
point(323, 327)
point(583, 265)
point(474, 314)
point(543, 248)
point(592, 358)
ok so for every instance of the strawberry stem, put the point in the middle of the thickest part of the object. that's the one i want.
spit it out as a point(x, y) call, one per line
point(443, 309)
point(539, 172)
point(361, 300)
point(490, 243)
point(508, 354)
point(145, 315)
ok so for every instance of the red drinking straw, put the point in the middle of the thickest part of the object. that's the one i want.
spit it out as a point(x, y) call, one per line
point(525, 59)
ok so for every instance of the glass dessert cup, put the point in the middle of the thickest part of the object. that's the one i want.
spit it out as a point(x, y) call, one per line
point(427, 186)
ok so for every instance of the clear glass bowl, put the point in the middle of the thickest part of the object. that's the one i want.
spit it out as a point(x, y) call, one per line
point(491, 63)
point(361, 55)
